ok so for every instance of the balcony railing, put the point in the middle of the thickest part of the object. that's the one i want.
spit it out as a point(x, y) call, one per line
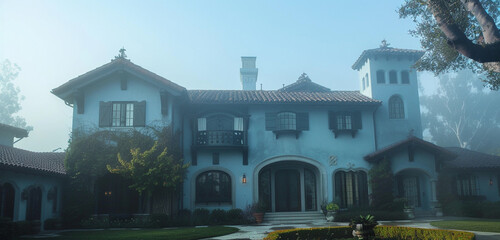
point(221, 138)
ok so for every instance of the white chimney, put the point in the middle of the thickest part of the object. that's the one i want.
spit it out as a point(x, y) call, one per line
point(248, 73)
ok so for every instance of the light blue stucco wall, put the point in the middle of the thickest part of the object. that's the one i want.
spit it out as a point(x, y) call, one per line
point(7, 138)
point(21, 181)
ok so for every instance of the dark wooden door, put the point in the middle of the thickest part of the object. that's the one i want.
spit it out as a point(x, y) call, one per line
point(287, 190)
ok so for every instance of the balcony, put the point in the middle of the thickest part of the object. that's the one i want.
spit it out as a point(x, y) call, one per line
point(222, 139)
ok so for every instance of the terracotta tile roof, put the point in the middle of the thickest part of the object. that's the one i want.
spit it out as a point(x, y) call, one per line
point(304, 84)
point(115, 64)
point(277, 97)
point(471, 159)
point(40, 161)
point(19, 132)
point(386, 51)
point(414, 141)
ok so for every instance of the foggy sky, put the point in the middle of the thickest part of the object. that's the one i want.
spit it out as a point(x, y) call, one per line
point(196, 44)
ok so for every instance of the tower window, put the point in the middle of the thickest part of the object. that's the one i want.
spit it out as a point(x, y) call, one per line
point(380, 76)
point(367, 80)
point(396, 108)
point(405, 77)
point(393, 77)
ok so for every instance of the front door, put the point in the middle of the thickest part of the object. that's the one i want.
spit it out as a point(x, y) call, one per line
point(287, 190)
point(411, 191)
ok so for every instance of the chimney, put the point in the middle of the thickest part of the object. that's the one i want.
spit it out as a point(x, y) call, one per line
point(248, 73)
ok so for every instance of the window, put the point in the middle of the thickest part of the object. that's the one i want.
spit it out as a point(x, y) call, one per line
point(287, 121)
point(7, 196)
point(405, 77)
point(344, 122)
point(213, 187)
point(393, 77)
point(367, 80)
point(351, 188)
point(349, 122)
point(396, 108)
point(467, 186)
point(122, 114)
point(380, 76)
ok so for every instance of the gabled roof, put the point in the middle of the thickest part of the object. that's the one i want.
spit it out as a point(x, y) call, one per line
point(19, 132)
point(385, 51)
point(116, 65)
point(39, 161)
point(304, 84)
point(278, 97)
point(471, 159)
point(411, 141)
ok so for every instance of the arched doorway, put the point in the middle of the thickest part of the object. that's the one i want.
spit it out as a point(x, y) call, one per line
point(34, 207)
point(289, 186)
point(413, 185)
point(7, 196)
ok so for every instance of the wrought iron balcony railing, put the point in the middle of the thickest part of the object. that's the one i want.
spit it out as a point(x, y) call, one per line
point(221, 138)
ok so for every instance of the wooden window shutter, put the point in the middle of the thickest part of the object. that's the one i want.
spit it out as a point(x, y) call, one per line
point(80, 103)
point(164, 103)
point(332, 120)
point(105, 114)
point(356, 120)
point(270, 121)
point(302, 121)
point(140, 114)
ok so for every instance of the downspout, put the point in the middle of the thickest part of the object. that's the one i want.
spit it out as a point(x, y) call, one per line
point(375, 129)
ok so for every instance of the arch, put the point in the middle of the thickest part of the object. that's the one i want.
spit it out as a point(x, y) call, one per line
point(396, 107)
point(7, 200)
point(412, 184)
point(380, 76)
point(193, 187)
point(350, 187)
point(393, 77)
point(405, 77)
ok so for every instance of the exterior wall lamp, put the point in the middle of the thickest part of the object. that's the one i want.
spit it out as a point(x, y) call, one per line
point(491, 181)
point(244, 179)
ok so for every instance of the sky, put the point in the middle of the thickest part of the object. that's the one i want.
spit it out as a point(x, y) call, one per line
point(196, 44)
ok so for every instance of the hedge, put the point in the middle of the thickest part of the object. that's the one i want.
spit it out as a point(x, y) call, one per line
point(381, 232)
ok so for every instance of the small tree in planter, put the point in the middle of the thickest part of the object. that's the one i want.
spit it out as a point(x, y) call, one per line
point(258, 211)
point(363, 227)
point(331, 211)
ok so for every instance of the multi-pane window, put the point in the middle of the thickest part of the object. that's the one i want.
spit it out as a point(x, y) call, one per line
point(123, 115)
point(344, 121)
point(351, 188)
point(467, 185)
point(396, 108)
point(213, 187)
point(405, 77)
point(393, 78)
point(380, 76)
point(287, 121)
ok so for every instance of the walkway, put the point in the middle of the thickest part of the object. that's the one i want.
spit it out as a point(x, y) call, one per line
point(260, 231)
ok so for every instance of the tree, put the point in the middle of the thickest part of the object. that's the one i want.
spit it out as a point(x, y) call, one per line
point(10, 100)
point(457, 34)
point(462, 114)
point(382, 183)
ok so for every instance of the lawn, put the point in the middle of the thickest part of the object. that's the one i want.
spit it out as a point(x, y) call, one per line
point(480, 226)
point(148, 234)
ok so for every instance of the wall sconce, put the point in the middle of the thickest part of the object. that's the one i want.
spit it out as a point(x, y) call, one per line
point(107, 193)
point(491, 181)
point(244, 178)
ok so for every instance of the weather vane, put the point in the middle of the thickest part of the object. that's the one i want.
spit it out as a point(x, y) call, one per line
point(122, 54)
point(384, 44)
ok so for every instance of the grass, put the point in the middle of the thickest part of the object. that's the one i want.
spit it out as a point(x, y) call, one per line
point(148, 234)
point(480, 226)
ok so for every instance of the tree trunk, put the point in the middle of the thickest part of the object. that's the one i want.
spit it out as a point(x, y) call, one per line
point(164, 202)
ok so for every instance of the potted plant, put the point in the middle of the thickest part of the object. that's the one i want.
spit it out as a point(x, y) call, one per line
point(258, 211)
point(331, 211)
point(410, 212)
point(362, 226)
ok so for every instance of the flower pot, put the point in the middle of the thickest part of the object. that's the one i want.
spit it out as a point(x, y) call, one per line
point(330, 216)
point(409, 213)
point(258, 217)
point(363, 231)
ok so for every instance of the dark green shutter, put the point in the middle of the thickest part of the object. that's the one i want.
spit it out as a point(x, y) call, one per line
point(140, 114)
point(356, 120)
point(105, 114)
point(164, 103)
point(270, 121)
point(332, 120)
point(302, 121)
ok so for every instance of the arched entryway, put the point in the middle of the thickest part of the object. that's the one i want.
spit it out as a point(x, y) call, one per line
point(289, 186)
point(7, 196)
point(413, 184)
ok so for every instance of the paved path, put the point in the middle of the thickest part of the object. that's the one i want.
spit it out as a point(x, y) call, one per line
point(260, 231)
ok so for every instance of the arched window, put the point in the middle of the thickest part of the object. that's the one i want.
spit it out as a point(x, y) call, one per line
point(380, 76)
point(213, 187)
point(367, 80)
point(287, 121)
point(351, 188)
point(405, 77)
point(396, 108)
point(7, 195)
point(393, 77)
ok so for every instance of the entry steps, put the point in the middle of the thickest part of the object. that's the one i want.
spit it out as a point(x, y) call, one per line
point(293, 217)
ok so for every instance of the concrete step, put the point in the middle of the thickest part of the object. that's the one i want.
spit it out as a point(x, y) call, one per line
point(292, 217)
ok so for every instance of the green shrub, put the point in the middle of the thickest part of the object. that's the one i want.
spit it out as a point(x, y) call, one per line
point(201, 216)
point(217, 217)
point(408, 233)
point(184, 218)
point(346, 216)
point(311, 233)
point(52, 224)
point(235, 216)
point(159, 220)
point(472, 208)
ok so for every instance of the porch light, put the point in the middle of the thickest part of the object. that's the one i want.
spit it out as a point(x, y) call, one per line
point(244, 178)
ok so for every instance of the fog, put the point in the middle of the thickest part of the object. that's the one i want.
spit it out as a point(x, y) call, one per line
point(196, 44)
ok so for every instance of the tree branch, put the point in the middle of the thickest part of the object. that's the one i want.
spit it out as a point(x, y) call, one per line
point(491, 33)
